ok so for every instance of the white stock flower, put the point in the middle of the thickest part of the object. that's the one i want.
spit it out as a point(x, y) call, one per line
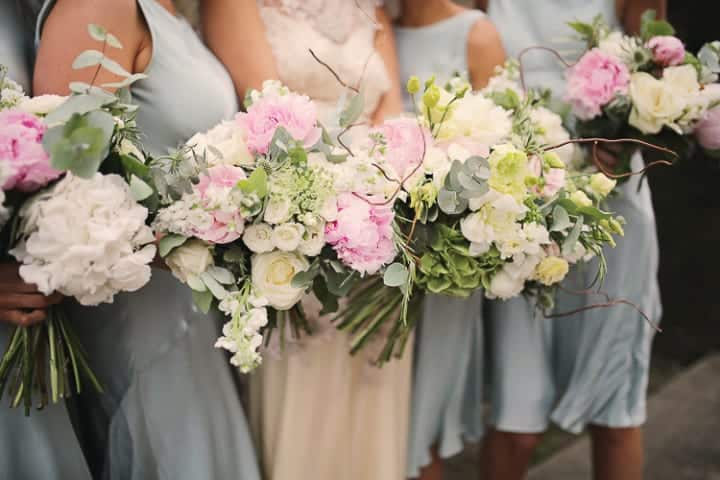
point(258, 238)
point(42, 104)
point(224, 144)
point(190, 259)
point(287, 237)
point(272, 275)
point(86, 239)
point(241, 335)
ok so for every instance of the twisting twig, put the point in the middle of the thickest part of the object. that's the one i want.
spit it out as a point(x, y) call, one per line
point(537, 47)
point(343, 133)
point(609, 302)
point(608, 173)
point(334, 73)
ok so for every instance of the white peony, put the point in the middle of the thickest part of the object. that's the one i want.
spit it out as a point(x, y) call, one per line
point(656, 103)
point(224, 144)
point(86, 239)
point(272, 275)
point(477, 117)
point(287, 237)
point(189, 260)
point(258, 238)
point(277, 211)
point(42, 104)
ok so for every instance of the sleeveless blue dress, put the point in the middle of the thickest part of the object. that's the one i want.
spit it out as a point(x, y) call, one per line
point(592, 367)
point(448, 371)
point(42, 446)
point(171, 408)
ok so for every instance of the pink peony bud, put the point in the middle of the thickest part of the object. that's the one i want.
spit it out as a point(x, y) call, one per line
point(667, 50)
point(708, 130)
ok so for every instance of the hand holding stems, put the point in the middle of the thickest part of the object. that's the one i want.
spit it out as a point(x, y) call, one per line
point(20, 303)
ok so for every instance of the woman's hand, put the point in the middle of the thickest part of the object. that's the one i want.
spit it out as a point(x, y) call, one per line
point(20, 303)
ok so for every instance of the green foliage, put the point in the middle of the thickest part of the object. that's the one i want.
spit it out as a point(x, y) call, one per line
point(651, 27)
point(353, 110)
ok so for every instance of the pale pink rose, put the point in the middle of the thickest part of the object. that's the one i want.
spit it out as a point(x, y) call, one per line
point(362, 235)
point(594, 81)
point(214, 188)
point(667, 50)
point(21, 147)
point(404, 149)
point(296, 113)
point(708, 130)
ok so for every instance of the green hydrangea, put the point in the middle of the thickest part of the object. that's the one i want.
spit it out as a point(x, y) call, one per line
point(306, 188)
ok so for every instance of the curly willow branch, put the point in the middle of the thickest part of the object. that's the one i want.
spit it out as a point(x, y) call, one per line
point(537, 47)
point(334, 73)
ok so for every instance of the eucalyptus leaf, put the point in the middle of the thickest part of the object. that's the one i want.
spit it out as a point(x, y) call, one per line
point(79, 87)
point(139, 189)
point(76, 104)
point(88, 58)
point(561, 219)
point(126, 82)
point(196, 283)
point(113, 41)
point(353, 110)
point(214, 286)
point(114, 67)
point(170, 242)
point(304, 279)
point(97, 32)
point(222, 275)
point(568, 245)
point(396, 275)
point(203, 300)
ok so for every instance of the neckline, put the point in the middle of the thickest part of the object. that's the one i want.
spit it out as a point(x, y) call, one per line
point(440, 23)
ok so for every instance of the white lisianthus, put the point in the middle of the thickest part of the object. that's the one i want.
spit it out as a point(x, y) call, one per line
point(580, 199)
point(601, 185)
point(477, 117)
point(224, 144)
point(287, 237)
point(85, 238)
point(189, 259)
point(272, 275)
point(655, 103)
point(551, 270)
point(259, 238)
point(313, 241)
point(277, 211)
point(42, 104)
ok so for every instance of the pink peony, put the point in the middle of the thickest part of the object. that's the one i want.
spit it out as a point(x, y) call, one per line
point(404, 139)
point(708, 130)
point(594, 81)
point(296, 113)
point(214, 189)
point(667, 50)
point(21, 147)
point(362, 235)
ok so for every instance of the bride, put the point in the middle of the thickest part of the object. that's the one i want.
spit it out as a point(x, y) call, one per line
point(317, 412)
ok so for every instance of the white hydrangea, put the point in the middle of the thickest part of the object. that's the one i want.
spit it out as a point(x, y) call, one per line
point(479, 118)
point(11, 93)
point(6, 170)
point(241, 335)
point(183, 217)
point(86, 239)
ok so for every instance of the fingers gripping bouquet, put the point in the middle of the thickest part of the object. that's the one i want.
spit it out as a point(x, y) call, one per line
point(646, 87)
point(75, 181)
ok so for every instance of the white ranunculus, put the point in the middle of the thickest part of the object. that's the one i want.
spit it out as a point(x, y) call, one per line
point(190, 259)
point(258, 238)
point(287, 237)
point(272, 275)
point(277, 211)
point(505, 286)
point(655, 103)
point(42, 104)
point(224, 144)
point(477, 117)
point(313, 241)
point(85, 238)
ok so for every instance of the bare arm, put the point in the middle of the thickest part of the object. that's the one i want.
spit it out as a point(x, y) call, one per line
point(391, 103)
point(234, 31)
point(65, 35)
point(485, 52)
point(630, 12)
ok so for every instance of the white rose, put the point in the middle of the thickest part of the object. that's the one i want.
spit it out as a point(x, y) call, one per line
point(190, 259)
point(258, 238)
point(277, 211)
point(272, 275)
point(601, 184)
point(655, 103)
point(41, 105)
point(313, 241)
point(505, 286)
point(286, 237)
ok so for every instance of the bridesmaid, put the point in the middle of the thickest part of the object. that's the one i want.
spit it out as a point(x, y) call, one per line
point(442, 38)
point(171, 408)
point(44, 444)
point(590, 369)
point(317, 412)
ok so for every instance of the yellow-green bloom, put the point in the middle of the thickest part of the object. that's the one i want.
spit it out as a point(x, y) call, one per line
point(413, 85)
point(431, 97)
point(552, 160)
point(551, 270)
point(601, 184)
point(580, 199)
point(509, 171)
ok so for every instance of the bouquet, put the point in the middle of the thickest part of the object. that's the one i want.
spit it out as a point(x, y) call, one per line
point(646, 88)
point(74, 230)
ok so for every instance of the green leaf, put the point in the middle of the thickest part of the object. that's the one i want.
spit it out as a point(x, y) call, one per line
point(304, 279)
point(257, 183)
point(169, 243)
point(196, 283)
point(203, 300)
point(75, 105)
point(97, 32)
point(81, 145)
point(79, 87)
point(213, 285)
point(353, 110)
point(88, 58)
point(127, 82)
point(114, 67)
point(234, 255)
point(568, 245)
point(222, 275)
point(339, 284)
point(113, 41)
point(134, 166)
point(139, 189)
point(396, 275)
point(561, 219)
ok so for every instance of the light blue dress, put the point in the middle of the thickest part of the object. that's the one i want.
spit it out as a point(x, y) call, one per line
point(171, 408)
point(592, 367)
point(447, 388)
point(42, 446)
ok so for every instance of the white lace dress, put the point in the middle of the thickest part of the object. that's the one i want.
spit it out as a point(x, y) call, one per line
point(318, 413)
